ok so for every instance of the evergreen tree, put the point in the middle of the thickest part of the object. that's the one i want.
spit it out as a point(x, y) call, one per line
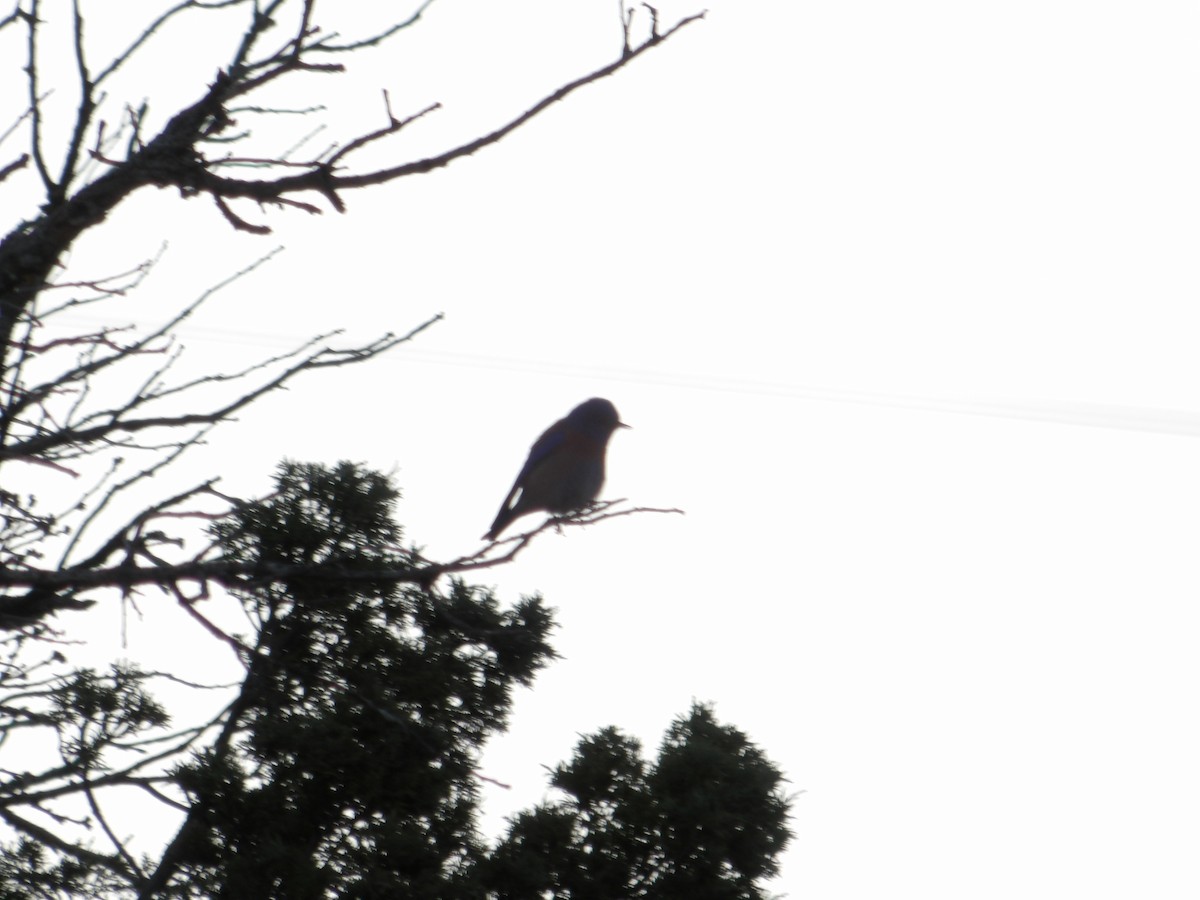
point(345, 765)
point(706, 821)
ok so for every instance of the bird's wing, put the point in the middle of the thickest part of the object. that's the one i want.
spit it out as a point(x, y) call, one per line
point(552, 438)
point(543, 448)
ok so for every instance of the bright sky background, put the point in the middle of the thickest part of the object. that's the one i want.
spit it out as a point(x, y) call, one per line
point(808, 250)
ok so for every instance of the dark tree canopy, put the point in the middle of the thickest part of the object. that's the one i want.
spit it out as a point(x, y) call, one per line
point(347, 769)
point(345, 766)
point(706, 820)
point(344, 760)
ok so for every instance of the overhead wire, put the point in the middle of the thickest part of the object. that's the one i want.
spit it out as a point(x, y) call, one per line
point(1067, 412)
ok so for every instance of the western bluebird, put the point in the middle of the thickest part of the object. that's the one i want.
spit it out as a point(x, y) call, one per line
point(565, 468)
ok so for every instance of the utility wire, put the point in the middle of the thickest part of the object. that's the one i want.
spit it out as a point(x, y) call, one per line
point(1098, 415)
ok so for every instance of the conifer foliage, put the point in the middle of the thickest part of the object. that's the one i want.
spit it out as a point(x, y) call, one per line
point(346, 764)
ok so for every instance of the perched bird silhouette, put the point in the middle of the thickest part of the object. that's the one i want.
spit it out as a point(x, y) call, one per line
point(565, 468)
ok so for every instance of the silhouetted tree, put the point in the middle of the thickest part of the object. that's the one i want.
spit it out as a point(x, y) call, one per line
point(104, 405)
point(343, 762)
point(706, 821)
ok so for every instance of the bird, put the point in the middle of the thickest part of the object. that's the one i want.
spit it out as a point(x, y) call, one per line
point(565, 468)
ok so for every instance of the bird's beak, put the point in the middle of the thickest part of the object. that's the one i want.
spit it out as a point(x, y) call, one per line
point(623, 425)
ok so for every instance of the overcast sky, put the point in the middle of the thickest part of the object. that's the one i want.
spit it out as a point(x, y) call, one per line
point(855, 272)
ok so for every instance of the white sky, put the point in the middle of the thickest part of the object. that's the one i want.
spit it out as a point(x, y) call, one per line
point(969, 640)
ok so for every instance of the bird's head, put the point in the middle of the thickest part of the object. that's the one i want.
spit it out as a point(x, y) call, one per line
point(597, 416)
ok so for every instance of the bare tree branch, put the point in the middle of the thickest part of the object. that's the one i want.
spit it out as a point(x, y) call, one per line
point(232, 574)
point(35, 102)
point(135, 872)
point(172, 158)
point(50, 839)
point(19, 163)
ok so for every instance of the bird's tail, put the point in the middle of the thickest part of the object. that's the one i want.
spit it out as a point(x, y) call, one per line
point(504, 518)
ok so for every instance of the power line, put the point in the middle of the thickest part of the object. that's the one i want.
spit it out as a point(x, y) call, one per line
point(1098, 415)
